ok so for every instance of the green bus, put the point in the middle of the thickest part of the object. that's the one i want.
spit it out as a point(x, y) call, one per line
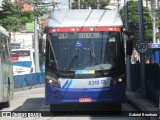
point(6, 69)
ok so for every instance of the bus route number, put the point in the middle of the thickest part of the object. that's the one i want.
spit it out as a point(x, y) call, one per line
point(63, 35)
point(97, 82)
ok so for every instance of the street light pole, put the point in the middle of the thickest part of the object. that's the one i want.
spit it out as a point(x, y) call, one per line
point(128, 59)
point(79, 4)
point(69, 4)
point(142, 55)
point(153, 7)
point(37, 69)
point(97, 4)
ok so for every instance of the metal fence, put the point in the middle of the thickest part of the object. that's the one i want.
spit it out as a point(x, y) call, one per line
point(152, 77)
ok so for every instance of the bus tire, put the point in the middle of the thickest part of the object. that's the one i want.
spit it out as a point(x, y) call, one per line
point(119, 107)
point(7, 104)
point(116, 107)
point(52, 108)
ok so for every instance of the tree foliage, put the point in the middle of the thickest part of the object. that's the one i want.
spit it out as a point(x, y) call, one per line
point(85, 4)
point(12, 16)
point(134, 21)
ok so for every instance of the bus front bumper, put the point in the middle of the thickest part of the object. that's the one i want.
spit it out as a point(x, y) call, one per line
point(55, 95)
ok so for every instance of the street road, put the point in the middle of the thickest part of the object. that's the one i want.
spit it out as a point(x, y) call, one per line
point(33, 100)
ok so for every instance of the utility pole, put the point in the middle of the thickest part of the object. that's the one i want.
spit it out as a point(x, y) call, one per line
point(79, 4)
point(128, 59)
point(37, 69)
point(153, 7)
point(97, 4)
point(142, 55)
point(69, 4)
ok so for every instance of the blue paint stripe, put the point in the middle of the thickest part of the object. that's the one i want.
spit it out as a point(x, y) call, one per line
point(73, 84)
point(27, 64)
point(65, 84)
point(69, 84)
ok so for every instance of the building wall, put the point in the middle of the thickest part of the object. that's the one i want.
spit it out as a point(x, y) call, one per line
point(26, 40)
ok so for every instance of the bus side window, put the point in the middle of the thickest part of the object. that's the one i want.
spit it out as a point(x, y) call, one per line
point(9, 50)
point(5, 52)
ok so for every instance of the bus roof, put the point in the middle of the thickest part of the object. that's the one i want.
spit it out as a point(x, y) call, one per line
point(84, 18)
point(4, 31)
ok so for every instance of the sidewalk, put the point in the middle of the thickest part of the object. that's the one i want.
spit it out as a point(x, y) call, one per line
point(142, 104)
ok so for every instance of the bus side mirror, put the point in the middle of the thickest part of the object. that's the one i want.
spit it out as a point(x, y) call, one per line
point(129, 47)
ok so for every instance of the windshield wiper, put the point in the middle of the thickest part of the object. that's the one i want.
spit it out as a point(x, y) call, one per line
point(72, 62)
point(96, 61)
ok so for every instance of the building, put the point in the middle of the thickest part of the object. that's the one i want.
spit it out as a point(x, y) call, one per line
point(114, 4)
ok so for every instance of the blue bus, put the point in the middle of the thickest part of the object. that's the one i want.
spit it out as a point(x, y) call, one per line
point(84, 58)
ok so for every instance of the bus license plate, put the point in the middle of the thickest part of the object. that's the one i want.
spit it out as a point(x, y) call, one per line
point(81, 100)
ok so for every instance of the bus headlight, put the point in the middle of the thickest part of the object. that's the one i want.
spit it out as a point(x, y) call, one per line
point(53, 81)
point(118, 80)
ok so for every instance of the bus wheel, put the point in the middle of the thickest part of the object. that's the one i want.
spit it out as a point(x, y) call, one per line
point(117, 107)
point(52, 108)
point(7, 104)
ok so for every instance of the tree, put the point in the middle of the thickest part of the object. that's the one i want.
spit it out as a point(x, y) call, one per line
point(134, 21)
point(85, 4)
point(12, 15)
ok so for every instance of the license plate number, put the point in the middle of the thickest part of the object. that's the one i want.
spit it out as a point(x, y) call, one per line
point(82, 100)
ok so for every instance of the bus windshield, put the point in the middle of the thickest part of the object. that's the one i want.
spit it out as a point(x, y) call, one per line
point(86, 50)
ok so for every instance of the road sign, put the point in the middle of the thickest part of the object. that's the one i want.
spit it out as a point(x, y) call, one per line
point(142, 47)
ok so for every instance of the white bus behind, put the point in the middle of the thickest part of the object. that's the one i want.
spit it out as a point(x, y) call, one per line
point(23, 61)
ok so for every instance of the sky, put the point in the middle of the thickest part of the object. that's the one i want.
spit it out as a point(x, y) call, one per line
point(63, 4)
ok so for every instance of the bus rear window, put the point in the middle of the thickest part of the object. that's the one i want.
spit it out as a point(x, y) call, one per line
point(20, 53)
